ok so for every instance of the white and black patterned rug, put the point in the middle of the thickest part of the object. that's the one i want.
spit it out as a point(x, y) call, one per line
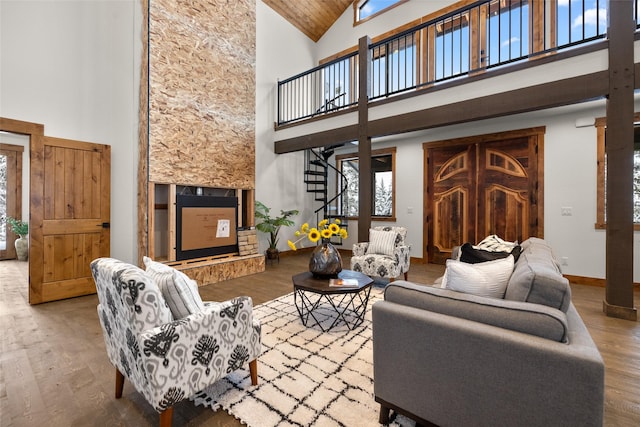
point(306, 377)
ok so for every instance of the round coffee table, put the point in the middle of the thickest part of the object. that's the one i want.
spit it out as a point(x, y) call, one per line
point(348, 302)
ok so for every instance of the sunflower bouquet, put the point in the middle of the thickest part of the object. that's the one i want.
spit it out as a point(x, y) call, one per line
point(325, 230)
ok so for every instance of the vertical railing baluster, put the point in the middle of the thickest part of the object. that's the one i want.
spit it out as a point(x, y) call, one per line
point(460, 44)
point(584, 20)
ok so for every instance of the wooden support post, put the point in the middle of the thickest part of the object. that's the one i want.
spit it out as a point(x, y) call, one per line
point(619, 150)
point(365, 183)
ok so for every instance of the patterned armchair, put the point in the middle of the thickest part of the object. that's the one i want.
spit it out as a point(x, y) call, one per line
point(386, 254)
point(169, 360)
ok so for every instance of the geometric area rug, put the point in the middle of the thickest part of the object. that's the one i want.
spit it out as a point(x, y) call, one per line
point(306, 377)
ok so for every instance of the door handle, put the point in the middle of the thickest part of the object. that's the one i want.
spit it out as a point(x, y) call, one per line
point(106, 225)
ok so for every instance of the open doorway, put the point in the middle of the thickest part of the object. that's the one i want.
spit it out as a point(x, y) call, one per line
point(14, 184)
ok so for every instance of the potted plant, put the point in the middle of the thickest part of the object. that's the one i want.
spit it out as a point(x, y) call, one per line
point(271, 225)
point(21, 228)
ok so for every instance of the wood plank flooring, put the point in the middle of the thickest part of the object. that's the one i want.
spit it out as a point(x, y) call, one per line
point(54, 369)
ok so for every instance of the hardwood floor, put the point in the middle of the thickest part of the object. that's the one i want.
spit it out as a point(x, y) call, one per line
point(54, 369)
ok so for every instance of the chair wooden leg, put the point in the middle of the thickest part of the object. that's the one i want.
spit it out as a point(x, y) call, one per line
point(384, 415)
point(119, 384)
point(406, 275)
point(391, 279)
point(166, 416)
point(253, 369)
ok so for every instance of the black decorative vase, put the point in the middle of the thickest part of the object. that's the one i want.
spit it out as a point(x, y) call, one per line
point(325, 261)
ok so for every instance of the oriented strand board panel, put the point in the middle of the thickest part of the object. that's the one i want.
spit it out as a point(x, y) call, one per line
point(223, 269)
point(202, 92)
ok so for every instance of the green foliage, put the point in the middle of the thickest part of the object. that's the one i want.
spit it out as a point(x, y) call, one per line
point(271, 225)
point(20, 228)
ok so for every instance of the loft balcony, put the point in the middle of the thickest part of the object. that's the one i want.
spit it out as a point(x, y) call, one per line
point(559, 45)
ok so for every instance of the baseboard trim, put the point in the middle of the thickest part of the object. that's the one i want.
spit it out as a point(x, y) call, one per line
point(592, 281)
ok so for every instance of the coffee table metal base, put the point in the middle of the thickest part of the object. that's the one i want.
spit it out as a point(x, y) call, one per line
point(349, 307)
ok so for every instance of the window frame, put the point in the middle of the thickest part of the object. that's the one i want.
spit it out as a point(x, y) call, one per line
point(374, 153)
point(600, 125)
point(359, 3)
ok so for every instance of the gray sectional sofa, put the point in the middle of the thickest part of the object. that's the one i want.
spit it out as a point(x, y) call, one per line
point(457, 359)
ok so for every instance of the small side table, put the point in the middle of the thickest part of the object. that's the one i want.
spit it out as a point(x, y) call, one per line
point(349, 303)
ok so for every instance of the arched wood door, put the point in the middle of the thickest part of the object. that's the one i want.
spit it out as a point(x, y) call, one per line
point(483, 185)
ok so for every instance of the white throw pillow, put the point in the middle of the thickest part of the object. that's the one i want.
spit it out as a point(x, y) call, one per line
point(180, 292)
point(487, 279)
point(381, 242)
point(493, 243)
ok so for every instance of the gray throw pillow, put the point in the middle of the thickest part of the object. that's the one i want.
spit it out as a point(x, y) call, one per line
point(180, 292)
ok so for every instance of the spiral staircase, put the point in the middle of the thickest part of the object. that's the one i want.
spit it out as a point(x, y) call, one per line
point(316, 177)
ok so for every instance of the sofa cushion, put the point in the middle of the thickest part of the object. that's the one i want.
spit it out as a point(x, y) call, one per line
point(180, 292)
point(488, 279)
point(537, 278)
point(532, 319)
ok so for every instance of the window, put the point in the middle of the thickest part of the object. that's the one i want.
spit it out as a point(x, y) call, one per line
point(578, 21)
point(365, 9)
point(393, 66)
point(507, 34)
point(602, 172)
point(452, 46)
point(382, 181)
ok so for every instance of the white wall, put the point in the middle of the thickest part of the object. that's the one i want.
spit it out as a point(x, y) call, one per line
point(74, 67)
point(282, 51)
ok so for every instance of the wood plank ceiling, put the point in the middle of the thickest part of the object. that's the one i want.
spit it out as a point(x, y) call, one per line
point(312, 17)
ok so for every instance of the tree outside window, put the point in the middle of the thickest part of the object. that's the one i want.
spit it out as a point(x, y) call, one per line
point(382, 179)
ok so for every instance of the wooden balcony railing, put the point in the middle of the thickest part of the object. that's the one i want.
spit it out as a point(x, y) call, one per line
point(470, 40)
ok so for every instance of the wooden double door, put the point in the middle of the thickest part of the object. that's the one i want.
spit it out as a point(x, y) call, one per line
point(478, 186)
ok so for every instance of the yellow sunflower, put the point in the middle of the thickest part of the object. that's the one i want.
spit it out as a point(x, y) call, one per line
point(334, 228)
point(326, 233)
point(314, 235)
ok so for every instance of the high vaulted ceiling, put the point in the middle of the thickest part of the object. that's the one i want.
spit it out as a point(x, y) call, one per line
point(312, 17)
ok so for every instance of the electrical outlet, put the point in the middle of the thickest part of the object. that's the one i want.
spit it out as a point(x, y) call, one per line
point(564, 260)
point(566, 211)
point(410, 210)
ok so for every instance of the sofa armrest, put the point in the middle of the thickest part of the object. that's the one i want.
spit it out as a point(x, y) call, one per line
point(203, 347)
point(454, 371)
point(359, 249)
point(534, 319)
